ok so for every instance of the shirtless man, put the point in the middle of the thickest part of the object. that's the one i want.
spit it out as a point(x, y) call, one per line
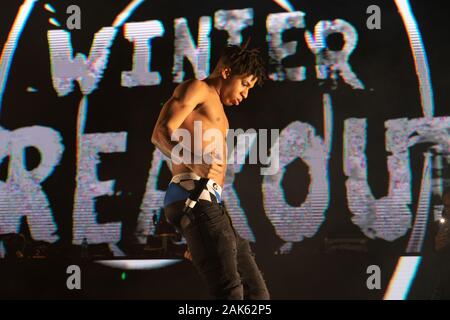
point(220, 255)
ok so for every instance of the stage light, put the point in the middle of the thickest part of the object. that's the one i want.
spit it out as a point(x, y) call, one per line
point(403, 278)
point(129, 264)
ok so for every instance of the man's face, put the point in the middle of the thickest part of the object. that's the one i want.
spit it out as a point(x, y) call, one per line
point(235, 89)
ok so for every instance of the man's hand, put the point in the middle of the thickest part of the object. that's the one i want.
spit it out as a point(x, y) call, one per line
point(187, 255)
point(215, 170)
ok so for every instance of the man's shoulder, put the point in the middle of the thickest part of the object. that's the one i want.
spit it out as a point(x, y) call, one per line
point(193, 84)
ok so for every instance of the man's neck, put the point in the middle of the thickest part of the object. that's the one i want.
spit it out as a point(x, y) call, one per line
point(215, 82)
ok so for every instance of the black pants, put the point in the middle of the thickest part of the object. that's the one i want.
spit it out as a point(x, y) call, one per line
point(223, 258)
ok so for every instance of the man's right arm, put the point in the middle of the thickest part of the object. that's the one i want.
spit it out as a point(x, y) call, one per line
point(183, 101)
point(185, 98)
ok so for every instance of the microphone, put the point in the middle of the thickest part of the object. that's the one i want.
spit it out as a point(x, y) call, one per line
point(194, 196)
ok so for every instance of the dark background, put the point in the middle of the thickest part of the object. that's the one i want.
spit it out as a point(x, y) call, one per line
point(382, 60)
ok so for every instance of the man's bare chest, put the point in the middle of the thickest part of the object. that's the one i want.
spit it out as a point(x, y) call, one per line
point(208, 117)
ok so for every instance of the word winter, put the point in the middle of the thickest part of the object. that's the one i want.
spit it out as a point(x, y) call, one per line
point(67, 68)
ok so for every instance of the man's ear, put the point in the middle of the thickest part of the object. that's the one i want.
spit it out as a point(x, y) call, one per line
point(226, 72)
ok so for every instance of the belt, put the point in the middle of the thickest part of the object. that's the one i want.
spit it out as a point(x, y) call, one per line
point(185, 178)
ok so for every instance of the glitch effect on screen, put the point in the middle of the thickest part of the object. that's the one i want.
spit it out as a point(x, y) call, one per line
point(369, 169)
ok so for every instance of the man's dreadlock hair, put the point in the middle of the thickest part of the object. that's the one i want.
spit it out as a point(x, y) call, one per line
point(244, 61)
